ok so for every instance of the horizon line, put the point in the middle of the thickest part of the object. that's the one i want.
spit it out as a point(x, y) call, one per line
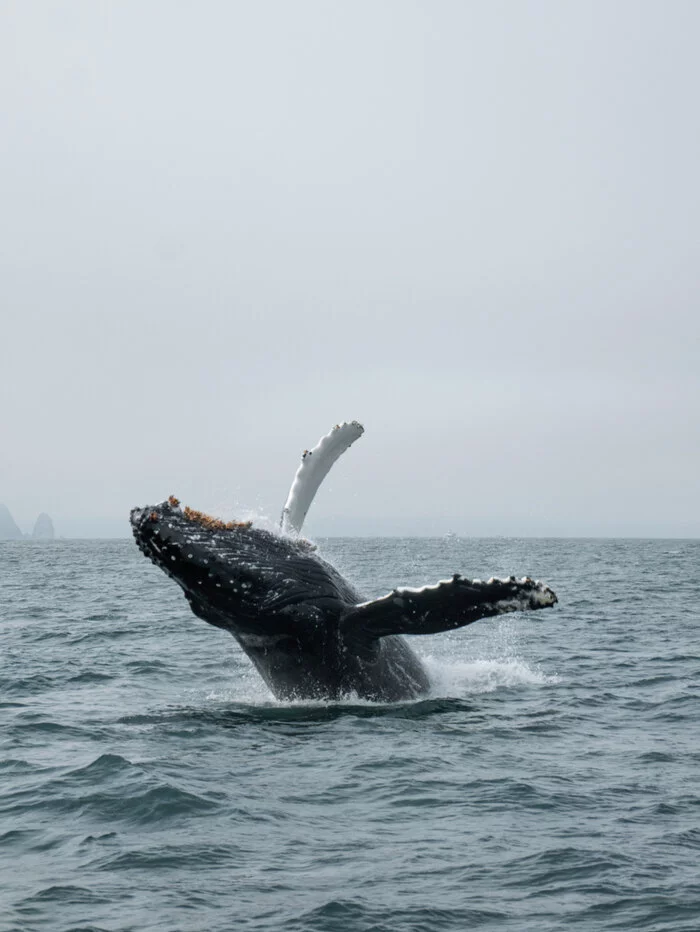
point(62, 539)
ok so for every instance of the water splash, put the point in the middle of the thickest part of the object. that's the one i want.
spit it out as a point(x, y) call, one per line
point(451, 678)
point(455, 679)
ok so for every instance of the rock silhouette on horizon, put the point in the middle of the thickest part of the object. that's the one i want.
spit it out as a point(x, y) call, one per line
point(8, 528)
point(43, 528)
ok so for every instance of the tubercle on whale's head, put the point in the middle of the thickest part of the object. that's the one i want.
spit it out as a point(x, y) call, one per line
point(191, 547)
point(172, 508)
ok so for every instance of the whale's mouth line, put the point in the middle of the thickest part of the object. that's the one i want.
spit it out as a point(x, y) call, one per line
point(166, 530)
point(229, 571)
point(208, 522)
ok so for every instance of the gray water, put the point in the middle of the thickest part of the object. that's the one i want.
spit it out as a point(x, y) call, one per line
point(148, 781)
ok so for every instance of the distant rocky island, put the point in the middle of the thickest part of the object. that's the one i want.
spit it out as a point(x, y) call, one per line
point(43, 527)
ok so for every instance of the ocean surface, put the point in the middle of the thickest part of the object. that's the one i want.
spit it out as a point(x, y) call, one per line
point(551, 781)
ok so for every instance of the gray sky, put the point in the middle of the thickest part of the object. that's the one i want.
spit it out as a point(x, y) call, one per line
point(473, 226)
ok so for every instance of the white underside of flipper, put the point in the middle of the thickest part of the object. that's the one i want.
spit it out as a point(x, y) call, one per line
point(315, 466)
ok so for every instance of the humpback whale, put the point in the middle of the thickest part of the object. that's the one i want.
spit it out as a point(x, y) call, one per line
point(308, 632)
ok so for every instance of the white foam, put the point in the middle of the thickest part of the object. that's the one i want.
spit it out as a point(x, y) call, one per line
point(455, 679)
point(450, 679)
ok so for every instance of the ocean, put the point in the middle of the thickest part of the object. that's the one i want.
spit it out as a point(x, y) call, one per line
point(550, 781)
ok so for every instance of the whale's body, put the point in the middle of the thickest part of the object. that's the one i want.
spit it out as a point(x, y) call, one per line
point(284, 605)
point(309, 633)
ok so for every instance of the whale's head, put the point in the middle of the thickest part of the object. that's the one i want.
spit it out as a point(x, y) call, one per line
point(201, 554)
point(231, 572)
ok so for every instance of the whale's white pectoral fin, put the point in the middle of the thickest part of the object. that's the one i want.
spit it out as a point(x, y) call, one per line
point(451, 603)
point(315, 466)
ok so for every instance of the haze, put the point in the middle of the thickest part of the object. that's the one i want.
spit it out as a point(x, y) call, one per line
point(471, 226)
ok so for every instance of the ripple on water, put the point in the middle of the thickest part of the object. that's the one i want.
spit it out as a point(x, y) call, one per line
point(64, 894)
point(168, 857)
point(547, 782)
point(339, 915)
point(119, 792)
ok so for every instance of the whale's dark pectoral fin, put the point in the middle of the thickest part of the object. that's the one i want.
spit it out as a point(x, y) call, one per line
point(450, 604)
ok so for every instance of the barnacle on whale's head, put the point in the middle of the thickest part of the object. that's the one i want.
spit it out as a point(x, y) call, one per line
point(211, 523)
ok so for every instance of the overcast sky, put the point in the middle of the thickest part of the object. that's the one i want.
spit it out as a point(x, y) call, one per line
point(473, 226)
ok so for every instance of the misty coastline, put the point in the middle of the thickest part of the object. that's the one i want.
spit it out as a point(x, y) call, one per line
point(9, 529)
